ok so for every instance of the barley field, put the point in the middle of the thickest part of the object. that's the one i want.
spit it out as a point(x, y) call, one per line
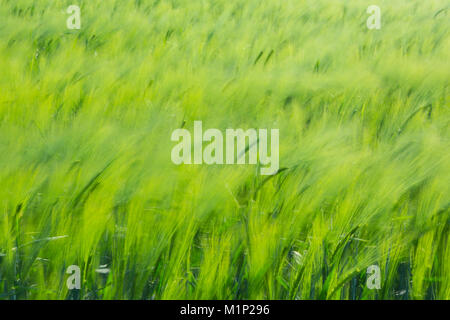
point(87, 180)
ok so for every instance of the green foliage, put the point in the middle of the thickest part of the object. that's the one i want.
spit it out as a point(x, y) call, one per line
point(86, 175)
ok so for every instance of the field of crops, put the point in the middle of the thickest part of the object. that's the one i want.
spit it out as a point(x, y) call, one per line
point(87, 180)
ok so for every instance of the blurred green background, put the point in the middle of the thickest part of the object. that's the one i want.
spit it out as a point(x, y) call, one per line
point(85, 170)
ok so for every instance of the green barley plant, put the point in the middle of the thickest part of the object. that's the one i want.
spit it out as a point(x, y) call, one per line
point(87, 180)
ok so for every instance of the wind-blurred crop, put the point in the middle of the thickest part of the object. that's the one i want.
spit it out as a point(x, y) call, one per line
point(86, 176)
